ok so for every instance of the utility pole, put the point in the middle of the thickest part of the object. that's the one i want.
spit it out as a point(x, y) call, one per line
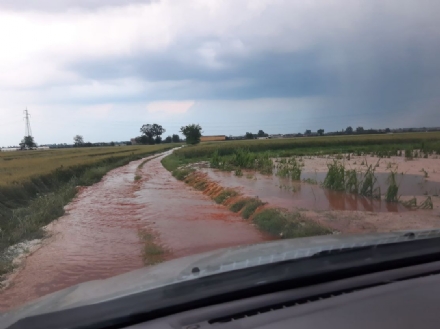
point(28, 131)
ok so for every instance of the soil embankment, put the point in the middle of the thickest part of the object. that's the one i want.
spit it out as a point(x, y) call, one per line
point(99, 236)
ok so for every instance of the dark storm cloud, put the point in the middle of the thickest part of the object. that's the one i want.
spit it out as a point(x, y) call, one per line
point(263, 75)
point(386, 75)
point(62, 5)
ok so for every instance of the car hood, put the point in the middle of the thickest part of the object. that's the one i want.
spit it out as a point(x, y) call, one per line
point(193, 267)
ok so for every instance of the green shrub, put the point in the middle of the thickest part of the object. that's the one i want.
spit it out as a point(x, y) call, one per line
point(237, 206)
point(287, 225)
point(335, 179)
point(393, 190)
point(409, 153)
point(224, 195)
point(351, 182)
point(250, 207)
point(182, 173)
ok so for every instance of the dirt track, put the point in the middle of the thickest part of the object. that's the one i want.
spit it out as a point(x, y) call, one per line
point(98, 237)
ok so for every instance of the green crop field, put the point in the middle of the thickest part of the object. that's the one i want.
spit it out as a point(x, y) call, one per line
point(430, 142)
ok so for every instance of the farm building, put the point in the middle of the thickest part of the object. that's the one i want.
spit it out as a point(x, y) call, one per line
point(213, 138)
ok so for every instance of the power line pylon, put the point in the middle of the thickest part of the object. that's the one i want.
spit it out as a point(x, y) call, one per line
point(28, 129)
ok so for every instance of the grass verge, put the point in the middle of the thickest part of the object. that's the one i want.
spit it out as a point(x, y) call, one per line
point(152, 252)
point(224, 195)
point(287, 225)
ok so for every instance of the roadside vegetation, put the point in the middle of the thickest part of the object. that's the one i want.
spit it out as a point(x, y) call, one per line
point(242, 159)
point(152, 252)
point(36, 185)
point(288, 224)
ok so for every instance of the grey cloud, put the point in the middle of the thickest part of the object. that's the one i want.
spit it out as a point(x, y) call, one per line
point(262, 75)
point(63, 5)
point(382, 69)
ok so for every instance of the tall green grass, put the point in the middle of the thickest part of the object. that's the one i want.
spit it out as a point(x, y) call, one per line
point(242, 159)
point(287, 225)
point(224, 195)
point(391, 194)
point(335, 179)
point(289, 168)
point(339, 178)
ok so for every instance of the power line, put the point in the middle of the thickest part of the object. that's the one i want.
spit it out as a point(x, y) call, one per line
point(28, 131)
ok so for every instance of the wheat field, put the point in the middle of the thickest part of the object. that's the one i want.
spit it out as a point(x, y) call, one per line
point(19, 166)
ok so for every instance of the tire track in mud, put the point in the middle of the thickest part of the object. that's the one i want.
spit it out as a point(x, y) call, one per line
point(98, 237)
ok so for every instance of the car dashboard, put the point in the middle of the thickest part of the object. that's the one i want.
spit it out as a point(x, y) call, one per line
point(402, 298)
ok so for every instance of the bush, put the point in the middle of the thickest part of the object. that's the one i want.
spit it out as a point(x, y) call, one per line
point(237, 206)
point(287, 225)
point(393, 190)
point(335, 178)
point(182, 173)
point(224, 195)
point(250, 207)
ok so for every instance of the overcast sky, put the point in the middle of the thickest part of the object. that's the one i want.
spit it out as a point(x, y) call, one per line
point(102, 68)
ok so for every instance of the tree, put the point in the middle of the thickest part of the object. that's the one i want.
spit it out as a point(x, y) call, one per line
point(388, 130)
point(360, 130)
point(261, 133)
point(192, 132)
point(308, 132)
point(144, 140)
point(78, 140)
point(176, 138)
point(28, 143)
point(169, 139)
point(152, 131)
point(349, 130)
point(320, 132)
point(250, 135)
point(158, 140)
point(112, 144)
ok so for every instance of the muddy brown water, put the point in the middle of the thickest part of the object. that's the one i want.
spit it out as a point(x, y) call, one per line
point(285, 193)
point(99, 236)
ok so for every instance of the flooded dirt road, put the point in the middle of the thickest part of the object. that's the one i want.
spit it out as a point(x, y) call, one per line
point(98, 237)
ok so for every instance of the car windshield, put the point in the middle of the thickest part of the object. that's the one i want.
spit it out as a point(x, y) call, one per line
point(138, 133)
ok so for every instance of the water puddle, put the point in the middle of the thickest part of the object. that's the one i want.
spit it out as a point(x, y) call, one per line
point(283, 192)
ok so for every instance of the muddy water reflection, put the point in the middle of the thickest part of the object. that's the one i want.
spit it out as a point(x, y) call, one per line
point(98, 237)
point(284, 193)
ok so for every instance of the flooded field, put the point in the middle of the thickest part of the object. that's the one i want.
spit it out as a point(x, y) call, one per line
point(341, 211)
point(286, 193)
point(99, 236)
